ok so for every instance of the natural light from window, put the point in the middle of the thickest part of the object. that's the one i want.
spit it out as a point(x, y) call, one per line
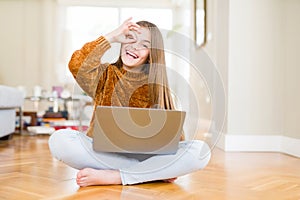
point(86, 23)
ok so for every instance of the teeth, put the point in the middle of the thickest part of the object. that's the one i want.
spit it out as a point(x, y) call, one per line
point(132, 54)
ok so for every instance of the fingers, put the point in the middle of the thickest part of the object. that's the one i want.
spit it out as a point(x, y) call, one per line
point(130, 30)
point(132, 26)
point(126, 33)
point(127, 20)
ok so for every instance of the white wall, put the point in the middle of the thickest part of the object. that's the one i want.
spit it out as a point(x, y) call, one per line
point(217, 45)
point(19, 41)
point(264, 84)
point(292, 68)
point(26, 43)
point(255, 46)
point(255, 81)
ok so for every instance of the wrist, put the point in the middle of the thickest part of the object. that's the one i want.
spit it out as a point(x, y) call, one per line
point(110, 38)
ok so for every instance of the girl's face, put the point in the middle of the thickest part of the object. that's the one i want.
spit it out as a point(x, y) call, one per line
point(135, 54)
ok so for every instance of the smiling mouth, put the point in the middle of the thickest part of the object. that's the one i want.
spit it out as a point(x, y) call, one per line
point(133, 55)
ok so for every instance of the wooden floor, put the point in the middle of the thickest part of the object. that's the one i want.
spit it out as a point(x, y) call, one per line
point(27, 171)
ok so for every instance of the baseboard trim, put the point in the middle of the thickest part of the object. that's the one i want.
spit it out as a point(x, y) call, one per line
point(290, 146)
point(261, 143)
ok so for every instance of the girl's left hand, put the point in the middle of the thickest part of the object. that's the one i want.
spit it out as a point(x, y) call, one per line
point(122, 33)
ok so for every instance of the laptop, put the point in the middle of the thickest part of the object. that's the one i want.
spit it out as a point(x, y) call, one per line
point(137, 130)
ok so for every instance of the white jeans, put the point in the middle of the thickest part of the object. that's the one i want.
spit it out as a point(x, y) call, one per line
point(76, 150)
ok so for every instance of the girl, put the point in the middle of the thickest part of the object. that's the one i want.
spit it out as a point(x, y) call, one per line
point(137, 79)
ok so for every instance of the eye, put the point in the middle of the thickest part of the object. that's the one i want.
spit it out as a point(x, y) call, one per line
point(145, 46)
point(129, 36)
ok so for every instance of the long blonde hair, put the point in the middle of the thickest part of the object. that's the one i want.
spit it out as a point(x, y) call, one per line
point(155, 67)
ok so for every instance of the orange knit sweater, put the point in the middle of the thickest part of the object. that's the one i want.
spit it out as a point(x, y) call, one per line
point(105, 83)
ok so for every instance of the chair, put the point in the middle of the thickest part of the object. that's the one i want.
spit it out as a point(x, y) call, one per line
point(10, 100)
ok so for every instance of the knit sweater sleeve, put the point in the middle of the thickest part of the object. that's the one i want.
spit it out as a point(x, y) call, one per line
point(86, 67)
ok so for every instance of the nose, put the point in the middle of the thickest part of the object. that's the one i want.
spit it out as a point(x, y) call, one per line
point(135, 46)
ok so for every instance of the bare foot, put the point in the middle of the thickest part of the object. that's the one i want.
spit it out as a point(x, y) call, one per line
point(89, 176)
point(170, 180)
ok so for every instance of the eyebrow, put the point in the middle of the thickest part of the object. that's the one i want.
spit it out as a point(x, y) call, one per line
point(146, 41)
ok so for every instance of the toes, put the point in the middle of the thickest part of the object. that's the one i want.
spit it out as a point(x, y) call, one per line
point(83, 173)
point(82, 177)
point(79, 175)
point(81, 182)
